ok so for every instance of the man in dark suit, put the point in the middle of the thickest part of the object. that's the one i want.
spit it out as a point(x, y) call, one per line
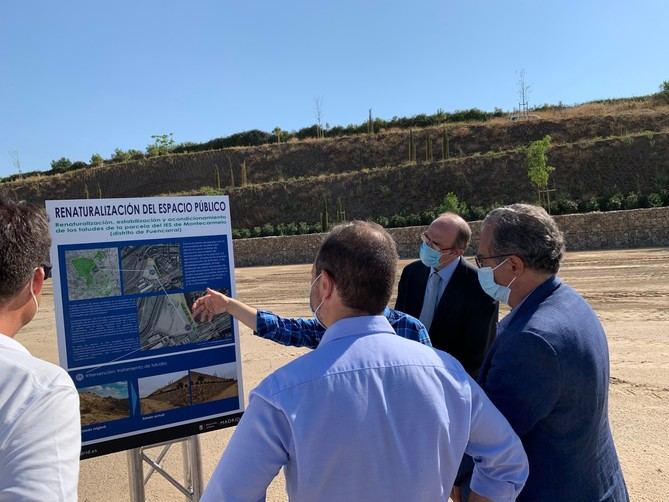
point(443, 291)
point(548, 369)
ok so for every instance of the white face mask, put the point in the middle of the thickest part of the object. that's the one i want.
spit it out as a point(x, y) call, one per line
point(495, 291)
point(314, 311)
point(32, 293)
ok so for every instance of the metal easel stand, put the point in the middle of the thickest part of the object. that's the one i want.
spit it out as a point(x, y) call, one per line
point(192, 468)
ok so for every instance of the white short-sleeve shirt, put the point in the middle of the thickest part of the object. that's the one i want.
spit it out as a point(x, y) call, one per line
point(40, 430)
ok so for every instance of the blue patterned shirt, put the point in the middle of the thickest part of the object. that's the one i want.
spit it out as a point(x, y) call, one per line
point(300, 332)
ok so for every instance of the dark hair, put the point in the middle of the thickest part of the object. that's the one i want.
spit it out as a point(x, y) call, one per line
point(24, 245)
point(528, 232)
point(361, 257)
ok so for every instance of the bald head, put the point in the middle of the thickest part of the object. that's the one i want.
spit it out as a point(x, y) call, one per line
point(450, 231)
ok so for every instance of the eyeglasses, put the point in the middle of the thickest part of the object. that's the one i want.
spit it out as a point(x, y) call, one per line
point(426, 239)
point(479, 258)
point(47, 270)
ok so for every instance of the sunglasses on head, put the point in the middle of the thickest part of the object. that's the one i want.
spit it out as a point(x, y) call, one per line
point(47, 270)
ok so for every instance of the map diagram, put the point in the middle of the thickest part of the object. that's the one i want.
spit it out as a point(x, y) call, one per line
point(166, 321)
point(92, 273)
point(150, 268)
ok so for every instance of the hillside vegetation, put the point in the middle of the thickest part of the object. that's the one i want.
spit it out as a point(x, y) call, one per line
point(599, 150)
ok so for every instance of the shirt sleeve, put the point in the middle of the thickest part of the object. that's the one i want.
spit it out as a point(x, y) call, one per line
point(500, 462)
point(256, 452)
point(407, 326)
point(289, 331)
point(43, 448)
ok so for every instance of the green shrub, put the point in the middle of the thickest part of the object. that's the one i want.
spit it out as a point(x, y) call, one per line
point(96, 160)
point(383, 221)
point(266, 230)
point(476, 213)
point(427, 217)
point(60, 165)
point(614, 202)
point(256, 232)
point(665, 197)
point(655, 200)
point(135, 154)
point(631, 201)
point(120, 155)
point(206, 190)
point(567, 206)
point(303, 228)
point(451, 204)
point(397, 221)
point(78, 165)
point(413, 220)
point(589, 205)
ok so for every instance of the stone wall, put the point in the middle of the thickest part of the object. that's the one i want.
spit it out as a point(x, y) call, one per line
point(611, 230)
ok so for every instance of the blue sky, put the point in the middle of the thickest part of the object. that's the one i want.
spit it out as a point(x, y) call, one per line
point(81, 77)
point(118, 390)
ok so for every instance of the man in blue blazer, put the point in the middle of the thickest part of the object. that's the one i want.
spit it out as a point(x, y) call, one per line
point(548, 369)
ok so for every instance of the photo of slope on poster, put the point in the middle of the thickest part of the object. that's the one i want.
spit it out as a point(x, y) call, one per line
point(104, 403)
point(213, 383)
point(92, 273)
point(149, 268)
point(163, 392)
point(167, 321)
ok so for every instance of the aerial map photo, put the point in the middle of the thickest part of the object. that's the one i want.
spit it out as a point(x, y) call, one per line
point(151, 268)
point(166, 321)
point(92, 273)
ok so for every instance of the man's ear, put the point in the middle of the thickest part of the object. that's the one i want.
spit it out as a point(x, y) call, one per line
point(327, 284)
point(37, 281)
point(517, 264)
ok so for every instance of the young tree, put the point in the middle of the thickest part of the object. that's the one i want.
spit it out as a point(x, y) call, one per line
point(664, 91)
point(96, 160)
point(538, 170)
point(16, 162)
point(277, 133)
point(162, 145)
point(318, 110)
point(452, 204)
point(523, 92)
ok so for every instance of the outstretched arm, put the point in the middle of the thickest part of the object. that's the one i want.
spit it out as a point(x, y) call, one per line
point(215, 303)
point(286, 331)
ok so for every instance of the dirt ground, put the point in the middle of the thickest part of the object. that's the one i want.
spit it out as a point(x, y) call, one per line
point(628, 289)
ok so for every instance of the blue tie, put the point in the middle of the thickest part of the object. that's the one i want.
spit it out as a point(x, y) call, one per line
point(430, 300)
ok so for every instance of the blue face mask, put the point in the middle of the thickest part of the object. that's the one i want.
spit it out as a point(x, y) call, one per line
point(495, 291)
point(430, 257)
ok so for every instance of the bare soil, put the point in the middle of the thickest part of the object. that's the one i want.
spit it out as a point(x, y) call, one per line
point(628, 289)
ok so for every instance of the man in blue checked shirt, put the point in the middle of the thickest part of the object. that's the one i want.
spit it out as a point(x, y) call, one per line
point(297, 332)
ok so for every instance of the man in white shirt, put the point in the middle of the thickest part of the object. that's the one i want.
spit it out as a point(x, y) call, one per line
point(40, 432)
